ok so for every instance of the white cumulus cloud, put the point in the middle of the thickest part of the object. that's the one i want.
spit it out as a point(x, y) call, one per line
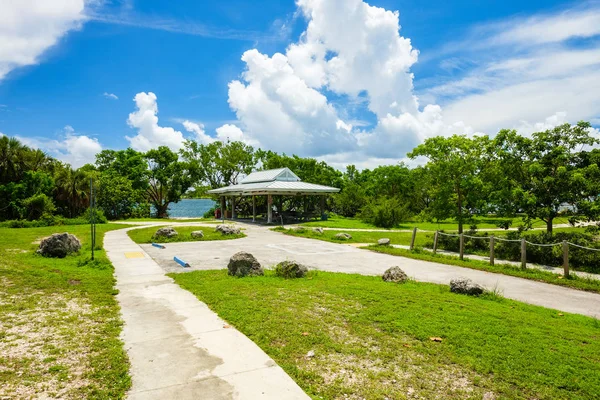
point(29, 27)
point(71, 148)
point(232, 133)
point(198, 131)
point(149, 133)
point(353, 51)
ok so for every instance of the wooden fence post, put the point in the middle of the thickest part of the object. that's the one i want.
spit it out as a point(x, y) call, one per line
point(462, 246)
point(414, 236)
point(492, 244)
point(435, 240)
point(565, 247)
point(523, 254)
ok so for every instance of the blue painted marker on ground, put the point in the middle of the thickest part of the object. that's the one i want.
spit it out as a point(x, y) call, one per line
point(160, 246)
point(181, 262)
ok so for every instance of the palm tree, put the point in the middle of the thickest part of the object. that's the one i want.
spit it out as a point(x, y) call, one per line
point(73, 189)
point(37, 160)
point(12, 159)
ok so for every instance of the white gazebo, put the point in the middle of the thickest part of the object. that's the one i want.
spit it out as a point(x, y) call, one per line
point(268, 183)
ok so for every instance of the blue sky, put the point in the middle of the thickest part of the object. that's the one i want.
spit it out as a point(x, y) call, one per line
point(353, 89)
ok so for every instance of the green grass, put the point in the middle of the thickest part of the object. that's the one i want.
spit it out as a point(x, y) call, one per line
point(337, 221)
point(573, 281)
point(59, 320)
point(371, 339)
point(144, 235)
point(403, 238)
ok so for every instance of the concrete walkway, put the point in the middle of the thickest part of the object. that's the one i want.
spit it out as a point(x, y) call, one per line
point(180, 349)
point(272, 247)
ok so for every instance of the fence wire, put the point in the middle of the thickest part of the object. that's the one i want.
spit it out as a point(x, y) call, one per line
point(583, 247)
point(517, 241)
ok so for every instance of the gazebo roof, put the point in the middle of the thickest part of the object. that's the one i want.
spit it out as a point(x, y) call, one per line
point(273, 181)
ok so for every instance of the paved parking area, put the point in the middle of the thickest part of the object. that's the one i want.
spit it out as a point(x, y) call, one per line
point(272, 247)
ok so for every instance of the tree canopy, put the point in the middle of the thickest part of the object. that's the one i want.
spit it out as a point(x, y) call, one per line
point(540, 176)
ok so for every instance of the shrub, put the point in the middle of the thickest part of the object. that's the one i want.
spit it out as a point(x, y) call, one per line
point(210, 213)
point(37, 206)
point(385, 213)
point(97, 214)
point(350, 201)
point(581, 259)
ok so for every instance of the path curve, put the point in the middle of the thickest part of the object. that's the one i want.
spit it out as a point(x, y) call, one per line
point(179, 348)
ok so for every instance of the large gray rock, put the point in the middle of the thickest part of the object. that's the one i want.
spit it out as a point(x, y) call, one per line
point(320, 231)
point(228, 229)
point(197, 234)
point(343, 236)
point(244, 264)
point(59, 245)
point(290, 269)
point(384, 242)
point(395, 274)
point(165, 233)
point(465, 286)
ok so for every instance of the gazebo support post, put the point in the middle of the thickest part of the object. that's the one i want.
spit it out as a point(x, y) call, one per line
point(233, 214)
point(269, 209)
point(223, 208)
point(253, 208)
point(322, 206)
point(304, 207)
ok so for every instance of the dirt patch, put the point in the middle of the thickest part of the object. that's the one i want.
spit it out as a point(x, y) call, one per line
point(45, 341)
point(15, 251)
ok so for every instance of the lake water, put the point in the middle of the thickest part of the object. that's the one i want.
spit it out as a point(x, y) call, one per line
point(190, 208)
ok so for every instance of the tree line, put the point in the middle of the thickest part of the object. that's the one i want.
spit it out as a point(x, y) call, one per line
point(536, 177)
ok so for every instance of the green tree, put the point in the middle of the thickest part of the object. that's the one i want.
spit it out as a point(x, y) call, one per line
point(218, 164)
point(420, 196)
point(307, 169)
point(116, 196)
point(38, 206)
point(168, 179)
point(127, 163)
point(72, 190)
point(455, 163)
point(12, 159)
point(539, 175)
point(390, 181)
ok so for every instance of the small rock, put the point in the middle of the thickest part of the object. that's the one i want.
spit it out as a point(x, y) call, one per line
point(310, 354)
point(59, 245)
point(384, 242)
point(465, 286)
point(395, 274)
point(244, 264)
point(343, 236)
point(228, 229)
point(290, 270)
point(320, 231)
point(165, 233)
point(197, 234)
